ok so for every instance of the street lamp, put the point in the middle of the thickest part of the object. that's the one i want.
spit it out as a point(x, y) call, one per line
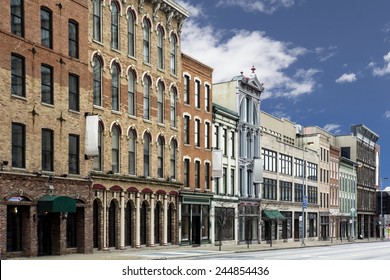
point(304, 199)
point(382, 220)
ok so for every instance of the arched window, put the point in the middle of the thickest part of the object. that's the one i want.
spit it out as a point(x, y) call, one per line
point(131, 93)
point(160, 102)
point(114, 25)
point(147, 85)
point(173, 54)
point(115, 87)
point(146, 31)
point(97, 81)
point(98, 161)
point(160, 157)
point(249, 143)
point(131, 34)
point(97, 20)
point(147, 155)
point(115, 149)
point(173, 99)
point(160, 47)
point(132, 149)
point(172, 160)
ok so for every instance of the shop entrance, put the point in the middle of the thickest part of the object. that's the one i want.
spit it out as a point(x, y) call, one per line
point(45, 234)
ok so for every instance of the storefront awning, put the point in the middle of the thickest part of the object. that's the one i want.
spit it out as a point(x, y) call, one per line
point(273, 215)
point(57, 204)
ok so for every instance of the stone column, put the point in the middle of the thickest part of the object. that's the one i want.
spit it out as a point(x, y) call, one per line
point(137, 221)
point(152, 206)
point(122, 221)
point(165, 220)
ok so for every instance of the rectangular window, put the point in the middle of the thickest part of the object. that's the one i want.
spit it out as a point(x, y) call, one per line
point(298, 195)
point(311, 171)
point(197, 94)
point(298, 167)
point(197, 133)
point(207, 176)
point(74, 93)
point(74, 154)
point(187, 173)
point(186, 89)
point(97, 20)
point(285, 164)
point(285, 191)
point(73, 39)
point(18, 145)
point(18, 76)
point(232, 181)
point(197, 174)
point(270, 189)
point(46, 28)
point(207, 136)
point(224, 223)
point(224, 136)
point(186, 130)
point(225, 183)
point(47, 92)
point(233, 144)
point(207, 98)
point(17, 17)
point(216, 137)
point(312, 195)
point(47, 150)
point(269, 160)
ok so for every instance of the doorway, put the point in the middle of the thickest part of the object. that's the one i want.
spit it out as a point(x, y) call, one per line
point(45, 234)
point(196, 234)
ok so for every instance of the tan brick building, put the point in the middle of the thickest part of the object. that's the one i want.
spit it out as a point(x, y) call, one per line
point(134, 64)
point(196, 194)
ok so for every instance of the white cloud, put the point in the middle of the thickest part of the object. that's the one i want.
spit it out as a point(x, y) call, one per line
point(381, 71)
point(346, 78)
point(230, 52)
point(332, 128)
point(387, 114)
point(263, 6)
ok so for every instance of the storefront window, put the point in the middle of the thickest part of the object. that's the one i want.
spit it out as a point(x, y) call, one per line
point(185, 222)
point(205, 222)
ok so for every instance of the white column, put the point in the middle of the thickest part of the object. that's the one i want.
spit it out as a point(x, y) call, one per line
point(165, 219)
point(105, 247)
point(122, 221)
point(137, 221)
point(152, 206)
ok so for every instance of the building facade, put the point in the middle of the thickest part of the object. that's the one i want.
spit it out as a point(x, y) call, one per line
point(196, 146)
point(360, 147)
point(224, 207)
point(242, 95)
point(290, 182)
point(45, 205)
point(135, 66)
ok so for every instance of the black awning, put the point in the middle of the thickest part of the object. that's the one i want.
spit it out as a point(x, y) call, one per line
point(273, 215)
point(56, 204)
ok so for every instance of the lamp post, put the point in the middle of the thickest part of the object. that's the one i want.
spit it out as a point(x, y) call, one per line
point(304, 198)
point(382, 220)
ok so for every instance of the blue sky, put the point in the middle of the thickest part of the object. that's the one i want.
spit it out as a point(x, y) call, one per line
point(323, 63)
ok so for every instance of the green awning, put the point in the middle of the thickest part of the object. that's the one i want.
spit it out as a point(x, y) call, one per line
point(57, 204)
point(273, 215)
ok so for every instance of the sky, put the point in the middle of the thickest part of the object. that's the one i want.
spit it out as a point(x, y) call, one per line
point(323, 63)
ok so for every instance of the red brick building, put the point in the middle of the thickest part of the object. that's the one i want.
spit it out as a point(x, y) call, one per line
point(45, 201)
point(196, 112)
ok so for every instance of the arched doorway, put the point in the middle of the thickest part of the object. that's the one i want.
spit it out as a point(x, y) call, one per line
point(129, 226)
point(112, 221)
point(158, 224)
point(144, 218)
point(96, 224)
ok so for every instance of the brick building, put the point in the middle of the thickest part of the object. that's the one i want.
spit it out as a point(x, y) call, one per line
point(45, 205)
point(134, 65)
point(90, 156)
point(195, 196)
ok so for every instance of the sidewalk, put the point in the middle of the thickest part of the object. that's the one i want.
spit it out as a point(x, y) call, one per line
point(186, 252)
